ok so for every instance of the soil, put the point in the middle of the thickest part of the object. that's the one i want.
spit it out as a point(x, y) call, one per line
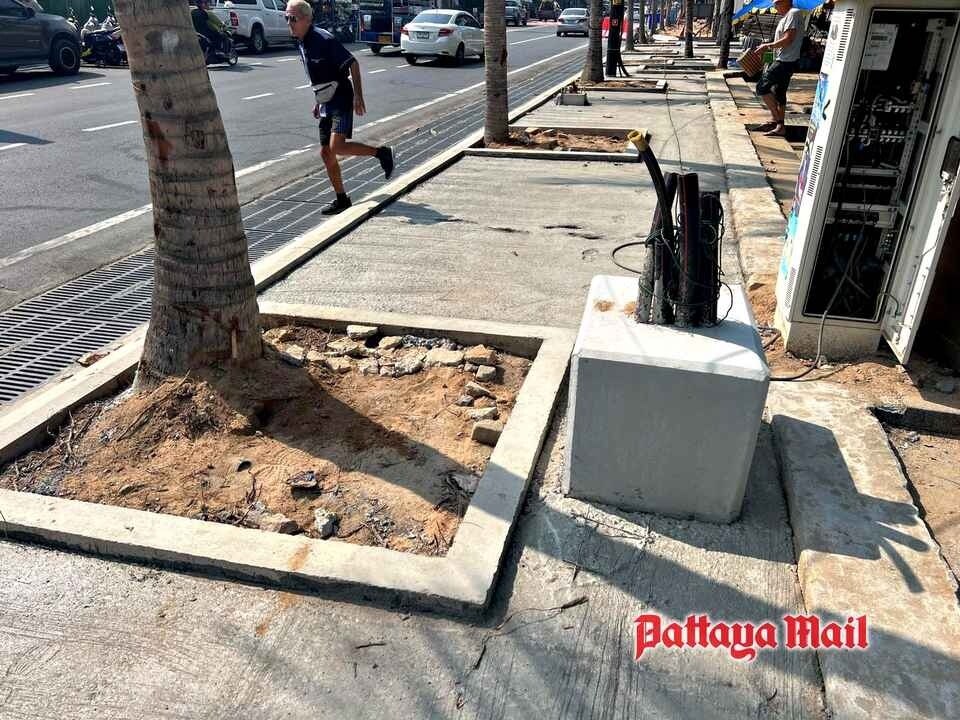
point(639, 83)
point(548, 139)
point(931, 463)
point(880, 378)
point(386, 452)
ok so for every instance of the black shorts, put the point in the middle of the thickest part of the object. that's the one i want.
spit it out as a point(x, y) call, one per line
point(338, 119)
point(776, 79)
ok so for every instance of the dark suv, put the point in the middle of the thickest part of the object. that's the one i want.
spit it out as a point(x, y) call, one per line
point(31, 38)
point(515, 12)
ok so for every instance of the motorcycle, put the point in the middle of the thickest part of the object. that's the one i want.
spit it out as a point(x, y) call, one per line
point(103, 47)
point(101, 43)
point(223, 51)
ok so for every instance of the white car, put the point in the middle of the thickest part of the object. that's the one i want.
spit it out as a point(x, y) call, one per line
point(441, 33)
point(573, 20)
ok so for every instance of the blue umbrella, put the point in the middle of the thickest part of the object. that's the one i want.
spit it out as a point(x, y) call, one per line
point(759, 6)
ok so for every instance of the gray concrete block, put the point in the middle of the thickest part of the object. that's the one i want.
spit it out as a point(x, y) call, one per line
point(663, 419)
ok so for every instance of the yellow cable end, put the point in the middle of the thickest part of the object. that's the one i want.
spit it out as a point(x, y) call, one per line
point(640, 139)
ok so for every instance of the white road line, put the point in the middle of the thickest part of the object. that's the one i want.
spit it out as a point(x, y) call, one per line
point(11, 146)
point(75, 235)
point(301, 87)
point(467, 89)
point(374, 72)
point(91, 85)
point(287, 59)
point(123, 217)
point(257, 97)
point(405, 65)
point(542, 37)
point(18, 95)
point(107, 127)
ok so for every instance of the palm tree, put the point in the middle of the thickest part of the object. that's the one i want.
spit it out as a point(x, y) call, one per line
point(642, 7)
point(495, 53)
point(593, 70)
point(204, 299)
point(726, 30)
point(688, 29)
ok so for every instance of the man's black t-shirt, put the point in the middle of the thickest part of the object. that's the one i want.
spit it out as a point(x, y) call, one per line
point(325, 59)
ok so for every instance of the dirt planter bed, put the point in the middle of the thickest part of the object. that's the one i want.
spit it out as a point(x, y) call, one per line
point(425, 509)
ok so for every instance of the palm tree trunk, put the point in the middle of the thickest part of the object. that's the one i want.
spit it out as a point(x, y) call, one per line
point(726, 31)
point(204, 299)
point(688, 29)
point(495, 50)
point(629, 23)
point(593, 70)
point(642, 7)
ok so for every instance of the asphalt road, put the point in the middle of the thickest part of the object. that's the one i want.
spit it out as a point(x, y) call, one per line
point(71, 151)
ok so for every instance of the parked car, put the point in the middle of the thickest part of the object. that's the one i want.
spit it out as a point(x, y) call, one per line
point(573, 20)
point(548, 10)
point(255, 23)
point(515, 12)
point(441, 33)
point(28, 37)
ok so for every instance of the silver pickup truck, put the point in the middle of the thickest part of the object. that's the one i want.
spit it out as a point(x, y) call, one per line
point(256, 23)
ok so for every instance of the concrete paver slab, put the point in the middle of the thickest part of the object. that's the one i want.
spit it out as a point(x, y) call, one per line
point(863, 550)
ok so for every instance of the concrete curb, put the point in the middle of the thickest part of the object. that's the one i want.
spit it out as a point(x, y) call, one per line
point(757, 220)
point(522, 154)
point(862, 549)
point(461, 581)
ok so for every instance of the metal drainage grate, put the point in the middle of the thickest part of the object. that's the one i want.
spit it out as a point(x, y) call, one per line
point(44, 335)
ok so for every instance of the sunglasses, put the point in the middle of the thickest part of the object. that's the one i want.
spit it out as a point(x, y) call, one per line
point(291, 18)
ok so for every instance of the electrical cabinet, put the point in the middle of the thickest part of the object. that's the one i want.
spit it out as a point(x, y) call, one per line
point(877, 181)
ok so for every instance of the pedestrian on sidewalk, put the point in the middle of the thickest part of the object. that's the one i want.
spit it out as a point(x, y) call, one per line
point(328, 63)
point(787, 41)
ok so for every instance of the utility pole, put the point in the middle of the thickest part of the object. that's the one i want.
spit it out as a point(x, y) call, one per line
point(614, 38)
point(726, 31)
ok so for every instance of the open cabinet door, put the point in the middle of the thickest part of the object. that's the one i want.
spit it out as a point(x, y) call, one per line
point(911, 282)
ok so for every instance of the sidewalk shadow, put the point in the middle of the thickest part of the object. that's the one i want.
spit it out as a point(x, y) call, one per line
point(863, 525)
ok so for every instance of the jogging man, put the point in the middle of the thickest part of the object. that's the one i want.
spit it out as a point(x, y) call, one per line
point(327, 63)
point(788, 41)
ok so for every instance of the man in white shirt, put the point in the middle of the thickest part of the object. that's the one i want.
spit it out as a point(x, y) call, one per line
point(787, 41)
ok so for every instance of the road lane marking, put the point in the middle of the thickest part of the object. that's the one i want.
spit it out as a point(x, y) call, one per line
point(91, 85)
point(403, 66)
point(123, 217)
point(542, 37)
point(301, 87)
point(111, 125)
point(75, 235)
point(467, 89)
point(287, 59)
point(257, 97)
point(18, 95)
point(374, 72)
point(11, 146)
point(256, 64)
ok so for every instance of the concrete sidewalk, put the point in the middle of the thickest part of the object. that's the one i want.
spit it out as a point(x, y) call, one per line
point(488, 238)
point(512, 240)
